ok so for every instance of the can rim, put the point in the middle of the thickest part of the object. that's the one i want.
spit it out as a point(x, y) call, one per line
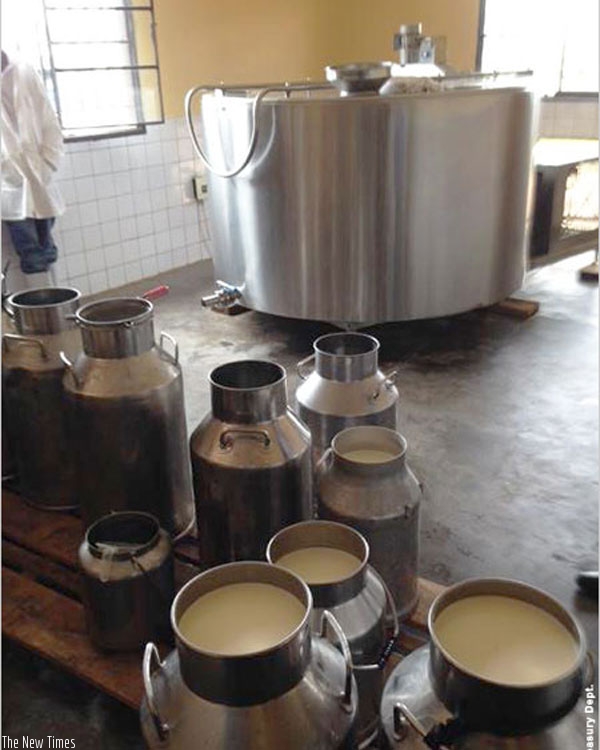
point(144, 546)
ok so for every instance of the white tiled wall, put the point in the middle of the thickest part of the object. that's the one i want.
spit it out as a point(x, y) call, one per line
point(130, 212)
point(569, 119)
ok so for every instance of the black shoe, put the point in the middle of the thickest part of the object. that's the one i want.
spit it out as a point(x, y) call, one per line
point(587, 580)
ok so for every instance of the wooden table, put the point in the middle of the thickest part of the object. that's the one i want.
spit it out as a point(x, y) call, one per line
point(41, 603)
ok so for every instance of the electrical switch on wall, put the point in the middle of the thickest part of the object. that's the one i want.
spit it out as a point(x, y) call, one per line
point(200, 188)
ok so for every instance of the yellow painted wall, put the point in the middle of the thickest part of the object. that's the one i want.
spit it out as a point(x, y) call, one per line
point(243, 41)
point(373, 24)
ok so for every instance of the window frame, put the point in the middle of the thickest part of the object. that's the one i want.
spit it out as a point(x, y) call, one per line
point(574, 96)
point(50, 70)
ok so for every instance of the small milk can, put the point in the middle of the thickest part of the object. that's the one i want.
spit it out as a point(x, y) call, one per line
point(251, 463)
point(332, 559)
point(127, 565)
point(127, 416)
point(363, 480)
point(33, 418)
point(504, 670)
point(247, 673)
point(345, 389)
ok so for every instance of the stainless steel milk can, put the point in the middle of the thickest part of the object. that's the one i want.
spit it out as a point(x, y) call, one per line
point(128, 580)
point(346, 388)
point(291, 690)
point(438, 698)
point(354, 593)
point(251, 463)
point(363, 480)
point(33, 398)
point(127, 416)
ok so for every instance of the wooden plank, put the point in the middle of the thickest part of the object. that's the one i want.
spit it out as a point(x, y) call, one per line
point(50, 534)
point(43, 545)
point(53, 626)
point(516, 308)
point(57, 536)
point(231, 310)
point(40, 569)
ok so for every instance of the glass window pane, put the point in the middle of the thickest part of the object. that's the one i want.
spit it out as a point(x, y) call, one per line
point(86, 26)
point(580, 60)
point(557, 40)
point(105, 98)
point(86, 31)
point(82, 4)
point(97, 55)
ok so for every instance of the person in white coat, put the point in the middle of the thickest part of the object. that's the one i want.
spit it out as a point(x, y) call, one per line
point(32, 146)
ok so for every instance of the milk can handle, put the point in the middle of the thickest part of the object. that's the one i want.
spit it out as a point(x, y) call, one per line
point(6, 306)
point(386, 651)
point(325, 457)
point(170, 338)
point(439, 737)
point(301, 364)
point(24, 340)
point(156, 292)
point(389, 382)
point(227, 437)
point(590, 666)
point(150, 653)
point(69, 365)
point(327, 619)
point(403, 718)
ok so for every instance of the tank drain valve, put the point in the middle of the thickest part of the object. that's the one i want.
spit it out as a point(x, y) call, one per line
point(224, 295)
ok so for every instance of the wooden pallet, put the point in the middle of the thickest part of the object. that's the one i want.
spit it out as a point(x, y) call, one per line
point(42, 610)
point(590, 272)
point(512, 307)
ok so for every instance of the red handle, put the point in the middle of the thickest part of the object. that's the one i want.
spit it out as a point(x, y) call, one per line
point(156, 293)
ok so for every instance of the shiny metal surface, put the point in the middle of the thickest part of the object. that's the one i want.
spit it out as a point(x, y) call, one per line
point(415, 48)
point(307, 716)
point(369, 209)
point(115, 328)
point(223, 296)
point(299, 693)
point(46, 311)
point(486, 705)
point(358, 603)
point(33, 402)
point(251, 463)
point(127, 422)
point(355, 78)
point(345, 389)
point(409, 684)
point(380, 500)
point(128, 580)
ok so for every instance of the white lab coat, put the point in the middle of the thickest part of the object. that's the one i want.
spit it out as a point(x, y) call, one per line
point(32, 146)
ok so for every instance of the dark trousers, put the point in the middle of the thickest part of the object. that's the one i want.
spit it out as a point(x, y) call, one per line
point(33, 243)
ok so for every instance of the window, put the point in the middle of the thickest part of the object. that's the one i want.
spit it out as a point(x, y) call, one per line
point(98, 59)
point(556, 39)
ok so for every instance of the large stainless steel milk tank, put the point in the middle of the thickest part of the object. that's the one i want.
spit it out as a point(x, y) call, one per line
point(368, 208)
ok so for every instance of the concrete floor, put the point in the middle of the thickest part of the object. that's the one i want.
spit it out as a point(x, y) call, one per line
point(501, 418)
